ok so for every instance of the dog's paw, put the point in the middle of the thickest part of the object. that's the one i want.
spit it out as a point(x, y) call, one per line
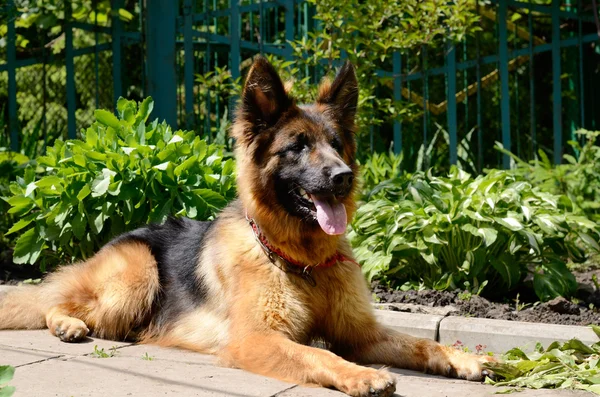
point(69, 329)
point(369, 382)
point(470, 367)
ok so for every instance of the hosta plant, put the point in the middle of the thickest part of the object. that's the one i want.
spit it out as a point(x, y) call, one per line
point(422, 230)
point(123, 173)
point(578, 177)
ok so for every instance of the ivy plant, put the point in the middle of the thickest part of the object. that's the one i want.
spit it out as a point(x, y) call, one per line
point(123, 173)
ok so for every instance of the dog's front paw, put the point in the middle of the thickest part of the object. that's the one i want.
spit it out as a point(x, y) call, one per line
point(69, 329)
point(369, 382)
point(469, 366)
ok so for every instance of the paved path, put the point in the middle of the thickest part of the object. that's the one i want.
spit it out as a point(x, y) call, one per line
point(49, 367)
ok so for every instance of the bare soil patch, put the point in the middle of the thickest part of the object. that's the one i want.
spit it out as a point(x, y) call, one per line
point(583, 310)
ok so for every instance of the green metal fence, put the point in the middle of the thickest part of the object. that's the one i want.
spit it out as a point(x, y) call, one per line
point(50, 86)
point(529, 78)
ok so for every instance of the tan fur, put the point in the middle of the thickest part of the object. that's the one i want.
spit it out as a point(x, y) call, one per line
point(255, 316)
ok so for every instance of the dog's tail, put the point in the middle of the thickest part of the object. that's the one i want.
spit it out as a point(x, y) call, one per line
point(22, 308)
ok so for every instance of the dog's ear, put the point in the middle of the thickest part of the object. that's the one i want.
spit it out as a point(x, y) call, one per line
point(264, 98)
point(341, 95)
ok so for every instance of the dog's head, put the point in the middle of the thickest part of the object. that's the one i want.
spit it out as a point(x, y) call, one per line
point(298, 161)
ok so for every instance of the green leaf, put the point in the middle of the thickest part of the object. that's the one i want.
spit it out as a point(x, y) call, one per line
point(107, 118)
point(24, 222)
point(144, 111)
point(28, 248)
point(102, 182)
point(510, 223)
point(7, 391)
point(85, 191)
point(79, 224)
point(6, 374)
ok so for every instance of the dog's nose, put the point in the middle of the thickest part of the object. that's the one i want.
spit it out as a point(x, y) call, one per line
point(342, 177)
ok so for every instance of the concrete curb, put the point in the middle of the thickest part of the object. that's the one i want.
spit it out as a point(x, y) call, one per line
point(497, 336)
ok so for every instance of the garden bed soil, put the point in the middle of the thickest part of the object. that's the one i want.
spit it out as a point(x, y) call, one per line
point(12, 274)
point(581, 311)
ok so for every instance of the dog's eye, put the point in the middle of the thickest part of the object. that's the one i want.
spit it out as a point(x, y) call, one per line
point(336, 144)
point(300, 144)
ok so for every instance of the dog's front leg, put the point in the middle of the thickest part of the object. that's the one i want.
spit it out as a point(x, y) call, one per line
point(276, 356)
point(389, 347)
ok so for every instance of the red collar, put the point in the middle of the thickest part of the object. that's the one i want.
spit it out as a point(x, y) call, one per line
point(293, 265)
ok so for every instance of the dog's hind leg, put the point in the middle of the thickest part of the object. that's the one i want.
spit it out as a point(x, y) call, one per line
point(111, 294)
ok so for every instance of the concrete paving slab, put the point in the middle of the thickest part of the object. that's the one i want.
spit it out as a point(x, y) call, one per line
point(420, 325)
point(17, 357)
point(414, 384)
point(500, 335)
point(157, 353)
point(124, 376)
point(42, 340)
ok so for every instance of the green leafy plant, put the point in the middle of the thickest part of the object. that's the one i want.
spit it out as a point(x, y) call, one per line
point(147, 357)
point(6, 374)
point(425, 231)
point(123, 173)
point(100, 353)
point(569, 365)
point(578, 178)
point(379, 167)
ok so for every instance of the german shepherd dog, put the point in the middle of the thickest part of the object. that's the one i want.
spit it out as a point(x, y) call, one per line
point(271, 275)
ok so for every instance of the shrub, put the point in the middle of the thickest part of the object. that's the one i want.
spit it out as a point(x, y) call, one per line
point(122, 174)
point(422, 230)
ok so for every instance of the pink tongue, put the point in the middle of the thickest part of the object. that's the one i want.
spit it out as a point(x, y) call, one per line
point(332, 218)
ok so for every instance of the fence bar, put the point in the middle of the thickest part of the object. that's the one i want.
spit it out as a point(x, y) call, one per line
point(289, 26)
point(581, 60)
point(451, 96)
point(117, 28)
point(397, 65)
point(96, 65)
point(188, 51)
point(571, 69)
point(160, 48)
point(517, 107)
point(532, 120)
point(425, 98)
point(12, 78)
point(478, 77)
point(70, 69)
point(504, 92)
point(234, 32)
point(556, 84)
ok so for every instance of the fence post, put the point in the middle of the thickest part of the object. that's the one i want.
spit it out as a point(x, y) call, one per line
point(504, 92)
point(188, 48)
point(160, 52)
point(11, 55)
point(234, 34)
point(116, 29)
point(556, 83)
point(451, 98)
point(70, 69)
point(289, 26)
point(397, 71)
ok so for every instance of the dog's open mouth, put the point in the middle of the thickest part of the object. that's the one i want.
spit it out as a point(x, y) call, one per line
point(328, 210)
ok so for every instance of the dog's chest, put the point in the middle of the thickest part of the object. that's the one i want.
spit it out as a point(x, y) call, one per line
point(288, 306)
